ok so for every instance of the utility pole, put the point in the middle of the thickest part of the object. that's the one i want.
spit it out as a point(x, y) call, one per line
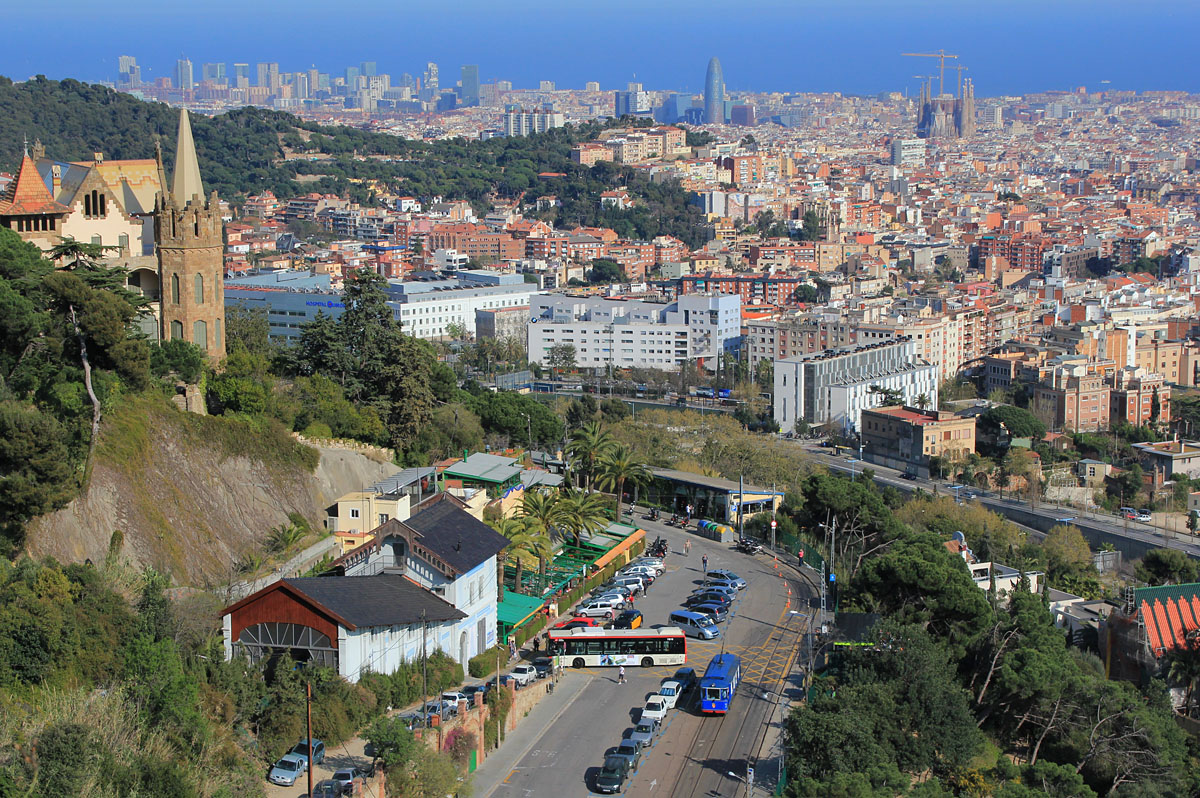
point(741, 508)
point(772, 517)
point(424, 675)
point(308, 712)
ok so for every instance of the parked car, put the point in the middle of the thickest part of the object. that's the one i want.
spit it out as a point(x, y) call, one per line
point(471, 690)
point(613, 775)
point(908, 475)
point(718, 613)
point(669, 691)
point(635, 584)
point(729, 576)
point(451, 699)
point(574, 623)
point(543, 666)
point(718, 586)
point(524, 674)
point(345, 776)
point(618, 599)
point(600, 608)
point(655, 708)
point(651, 562)
point(629, 619)
point(1144, 516)
point(625, 591)
point(645, 733)
point(300, 749)
point(632, 752)
point(707, 597)
point(328, 788)
point(647, 573)
point(289, 768)
point(686, 677)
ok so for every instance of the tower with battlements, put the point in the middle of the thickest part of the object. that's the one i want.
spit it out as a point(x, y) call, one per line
point(189, 241)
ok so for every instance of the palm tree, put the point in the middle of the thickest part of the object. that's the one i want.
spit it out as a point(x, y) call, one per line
point(583, 513)
point(923, 401)
point(284, 537)
point(523, 539)
point(619, 466)
point(587, 446)
point(1184, 668)
point(543, 511)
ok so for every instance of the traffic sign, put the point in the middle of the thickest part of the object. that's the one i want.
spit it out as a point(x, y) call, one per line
point(774, 523)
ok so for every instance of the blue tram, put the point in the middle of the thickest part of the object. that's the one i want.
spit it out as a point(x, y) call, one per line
point(719, 683)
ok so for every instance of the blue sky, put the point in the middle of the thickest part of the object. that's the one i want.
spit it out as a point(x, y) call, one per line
point(851, 46)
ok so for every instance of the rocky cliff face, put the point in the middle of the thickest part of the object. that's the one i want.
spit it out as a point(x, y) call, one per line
point(193, 495)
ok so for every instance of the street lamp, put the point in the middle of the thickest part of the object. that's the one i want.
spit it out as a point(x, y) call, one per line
point(748, 779)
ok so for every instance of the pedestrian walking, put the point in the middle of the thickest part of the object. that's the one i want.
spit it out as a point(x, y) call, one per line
point(687, 548)
point(621, 675)
point(704, 562)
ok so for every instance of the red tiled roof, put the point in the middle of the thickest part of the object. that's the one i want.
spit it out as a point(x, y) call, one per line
point(28, 194)
point(1169, 614)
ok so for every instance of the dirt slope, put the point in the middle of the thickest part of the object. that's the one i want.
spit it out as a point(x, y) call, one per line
point(193, 494)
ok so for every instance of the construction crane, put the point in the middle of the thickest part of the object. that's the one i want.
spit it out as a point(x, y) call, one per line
point(941, 56)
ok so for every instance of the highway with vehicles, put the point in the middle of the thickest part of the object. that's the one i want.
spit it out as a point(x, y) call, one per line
point(1132, 538)
point(690, 754)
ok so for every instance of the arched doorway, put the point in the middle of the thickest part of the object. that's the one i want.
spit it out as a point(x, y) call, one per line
point(301, 643)
point(464, 648)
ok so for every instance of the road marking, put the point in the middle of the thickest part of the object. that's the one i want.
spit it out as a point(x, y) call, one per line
point(511, 773)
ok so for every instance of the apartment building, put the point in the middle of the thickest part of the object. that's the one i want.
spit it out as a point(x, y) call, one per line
point(835, 386)
point(609, 333)
point(427, 308)
point(906, 438)
point(1073, 397)
point(1139, 397)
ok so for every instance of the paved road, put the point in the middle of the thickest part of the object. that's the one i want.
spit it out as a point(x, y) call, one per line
point(694, 753)
point(1146, 534)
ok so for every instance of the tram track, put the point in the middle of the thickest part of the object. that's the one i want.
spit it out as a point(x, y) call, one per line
point(726, 744)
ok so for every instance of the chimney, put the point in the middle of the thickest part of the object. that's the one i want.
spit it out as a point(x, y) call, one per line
point(56, 176)
point(98, 157)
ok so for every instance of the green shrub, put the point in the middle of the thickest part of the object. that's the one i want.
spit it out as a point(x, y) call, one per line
point(484, 664)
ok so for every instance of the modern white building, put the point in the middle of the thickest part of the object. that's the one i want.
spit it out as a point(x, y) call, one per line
point(427, 307)
point(632, 333)
point(908, 152)
point(838, 384)
point(522, 123)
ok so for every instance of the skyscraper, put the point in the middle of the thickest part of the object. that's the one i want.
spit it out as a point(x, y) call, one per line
point(128, 71)
point(214, 72)
point(714, 93)
point(470, 84)
point(241, 75)
point(431, 77)
point(183, 74)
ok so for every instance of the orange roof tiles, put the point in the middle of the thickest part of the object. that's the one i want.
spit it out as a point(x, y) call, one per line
point(28, 195)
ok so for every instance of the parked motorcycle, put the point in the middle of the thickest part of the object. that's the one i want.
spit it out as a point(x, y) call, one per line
point(652, 515)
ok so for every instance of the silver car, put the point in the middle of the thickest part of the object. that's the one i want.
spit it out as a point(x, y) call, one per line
point(289, 768)
point(645, 732)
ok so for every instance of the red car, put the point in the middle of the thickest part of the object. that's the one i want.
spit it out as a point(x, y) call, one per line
point(574, 623)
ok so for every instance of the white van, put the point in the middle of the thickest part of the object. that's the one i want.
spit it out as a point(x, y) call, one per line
point(634, 583)
point(694, 624)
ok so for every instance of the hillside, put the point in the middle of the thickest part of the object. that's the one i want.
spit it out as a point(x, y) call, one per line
point(193, 494)
point(243, 152)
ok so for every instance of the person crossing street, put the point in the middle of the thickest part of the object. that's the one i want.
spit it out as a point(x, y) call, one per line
point(687, 548)
point(704, 562)
point(621, 675)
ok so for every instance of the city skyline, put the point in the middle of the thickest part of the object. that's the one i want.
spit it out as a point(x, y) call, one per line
point(1060, 52)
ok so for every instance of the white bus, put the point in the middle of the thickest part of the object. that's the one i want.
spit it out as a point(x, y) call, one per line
point(593, 646)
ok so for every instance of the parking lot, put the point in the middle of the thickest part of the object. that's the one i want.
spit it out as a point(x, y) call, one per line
point(694, 754)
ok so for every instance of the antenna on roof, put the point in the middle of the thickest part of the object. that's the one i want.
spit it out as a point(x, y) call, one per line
point(26, 145)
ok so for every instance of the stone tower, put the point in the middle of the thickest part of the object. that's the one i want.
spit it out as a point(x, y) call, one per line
point(188, 238)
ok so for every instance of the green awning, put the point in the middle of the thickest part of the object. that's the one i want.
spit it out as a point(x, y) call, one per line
point(516, 608)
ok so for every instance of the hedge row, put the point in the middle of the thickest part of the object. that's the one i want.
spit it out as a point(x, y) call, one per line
point(484, 664)
point(404, 686)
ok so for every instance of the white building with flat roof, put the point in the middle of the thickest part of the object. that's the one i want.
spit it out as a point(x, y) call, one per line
point(620, 333)
point(427, 307)
point(836, 385)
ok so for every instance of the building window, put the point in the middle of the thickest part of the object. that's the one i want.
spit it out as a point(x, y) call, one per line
point(175, 290)
point(198, 289)
point(353, 513)
point(200, 334)
point(217, 338)
point(176, 331)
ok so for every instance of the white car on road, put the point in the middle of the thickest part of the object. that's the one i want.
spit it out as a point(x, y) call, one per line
point(669, 693)
point(655, 709)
